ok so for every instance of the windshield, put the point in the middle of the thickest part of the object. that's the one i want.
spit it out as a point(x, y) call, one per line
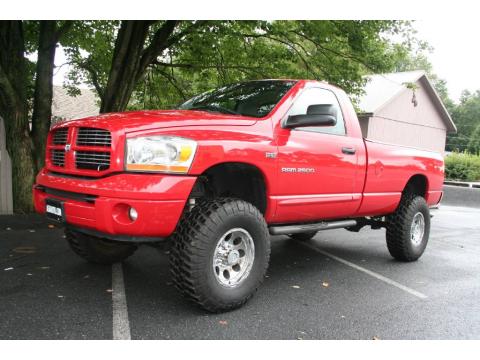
point(253, 98)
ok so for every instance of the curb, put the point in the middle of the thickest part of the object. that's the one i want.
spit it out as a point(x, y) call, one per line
point(462, 184)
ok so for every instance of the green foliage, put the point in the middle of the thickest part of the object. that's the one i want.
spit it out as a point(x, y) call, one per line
point(221, 52)
point(474, 143)
point(462, 166)
point(466, 116)
point(89, 48)
point(406, 59)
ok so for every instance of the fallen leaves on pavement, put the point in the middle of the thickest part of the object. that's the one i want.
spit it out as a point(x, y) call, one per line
point(24, 250)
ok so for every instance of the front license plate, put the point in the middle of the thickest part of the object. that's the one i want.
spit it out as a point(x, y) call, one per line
point(54, 210)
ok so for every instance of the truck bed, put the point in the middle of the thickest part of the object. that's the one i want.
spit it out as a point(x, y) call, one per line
point(389, 168)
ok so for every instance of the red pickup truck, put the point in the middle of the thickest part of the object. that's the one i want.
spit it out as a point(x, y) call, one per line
point(217, 176)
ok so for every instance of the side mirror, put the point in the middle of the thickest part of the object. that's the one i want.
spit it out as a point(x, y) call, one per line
point(317, 115)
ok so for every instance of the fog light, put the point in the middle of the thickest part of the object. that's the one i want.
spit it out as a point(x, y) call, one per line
point(133, 214)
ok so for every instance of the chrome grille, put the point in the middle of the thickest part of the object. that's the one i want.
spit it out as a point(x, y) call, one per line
point(57, 156)
point(60, 136)
point(92, 160)
point(94, 137)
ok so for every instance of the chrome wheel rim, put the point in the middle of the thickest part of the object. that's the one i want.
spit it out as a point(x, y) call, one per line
point(233, 257)
point(417, 229)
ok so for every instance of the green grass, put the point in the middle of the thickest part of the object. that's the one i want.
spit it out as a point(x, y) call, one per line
point(462, 166)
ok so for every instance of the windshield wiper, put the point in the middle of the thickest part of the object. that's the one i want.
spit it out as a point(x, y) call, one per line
point(215, 109)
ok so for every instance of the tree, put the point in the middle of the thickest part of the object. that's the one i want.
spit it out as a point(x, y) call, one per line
point(162, 62)
point(466, 116)
point(25, 146)
point(474, 143)
point(49, 35)
point(137, 45)
point(181, 57)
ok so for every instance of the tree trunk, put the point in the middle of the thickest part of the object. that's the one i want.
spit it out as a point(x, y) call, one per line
point(126, 57)
point(42, 103)
point(130, 60)
point(14, 110)
point(19, 146)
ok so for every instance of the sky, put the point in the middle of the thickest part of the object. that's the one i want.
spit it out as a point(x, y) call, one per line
point(455, 56)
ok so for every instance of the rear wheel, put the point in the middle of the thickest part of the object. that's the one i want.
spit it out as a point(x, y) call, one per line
point(303, 236)
point(97, 250)
point(220, 253)
point(408, 229)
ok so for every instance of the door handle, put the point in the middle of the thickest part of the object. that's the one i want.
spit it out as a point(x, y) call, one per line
point(348, 150)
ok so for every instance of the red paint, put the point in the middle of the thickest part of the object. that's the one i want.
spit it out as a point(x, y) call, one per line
point(367, 183)
point(158, 199)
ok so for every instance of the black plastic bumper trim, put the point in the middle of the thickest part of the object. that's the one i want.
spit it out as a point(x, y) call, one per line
point(122, 238)
point(67, 194)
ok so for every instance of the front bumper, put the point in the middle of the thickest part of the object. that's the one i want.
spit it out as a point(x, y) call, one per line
point(101, 205)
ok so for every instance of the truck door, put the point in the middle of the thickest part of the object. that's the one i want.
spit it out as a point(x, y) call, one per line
point(317, 166)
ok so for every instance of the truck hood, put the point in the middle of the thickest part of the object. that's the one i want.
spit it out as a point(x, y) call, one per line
point(131, 121)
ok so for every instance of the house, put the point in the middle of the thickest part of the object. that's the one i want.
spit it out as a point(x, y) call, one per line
point(404, 109)
point(64, 107)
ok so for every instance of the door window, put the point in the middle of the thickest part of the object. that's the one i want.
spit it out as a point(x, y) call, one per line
point(317, 96)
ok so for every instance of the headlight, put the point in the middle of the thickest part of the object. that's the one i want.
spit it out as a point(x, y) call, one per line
point(160, 153)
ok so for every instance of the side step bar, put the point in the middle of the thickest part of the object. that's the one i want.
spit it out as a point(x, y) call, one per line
point(324, 225)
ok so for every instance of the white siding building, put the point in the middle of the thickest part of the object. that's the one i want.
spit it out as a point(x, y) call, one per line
point(404, 109)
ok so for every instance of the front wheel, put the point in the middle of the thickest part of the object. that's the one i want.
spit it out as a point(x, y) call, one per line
point(97, 250)
point(220, 253)
point(408, 229)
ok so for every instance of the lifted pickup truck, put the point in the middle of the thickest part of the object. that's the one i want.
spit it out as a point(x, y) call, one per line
point(227, 169)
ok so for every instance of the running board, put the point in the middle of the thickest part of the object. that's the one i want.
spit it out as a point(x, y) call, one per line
point(324, 225)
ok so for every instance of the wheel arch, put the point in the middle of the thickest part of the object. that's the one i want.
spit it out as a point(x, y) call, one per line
point(417, 184)
point(240, 180)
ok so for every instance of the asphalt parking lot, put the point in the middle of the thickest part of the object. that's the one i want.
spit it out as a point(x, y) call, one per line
point(340, 285)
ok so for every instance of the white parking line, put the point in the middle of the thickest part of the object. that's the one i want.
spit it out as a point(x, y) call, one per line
point(366, 271)
point(121, 326)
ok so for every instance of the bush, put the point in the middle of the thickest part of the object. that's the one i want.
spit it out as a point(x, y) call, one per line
point(462, 166)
